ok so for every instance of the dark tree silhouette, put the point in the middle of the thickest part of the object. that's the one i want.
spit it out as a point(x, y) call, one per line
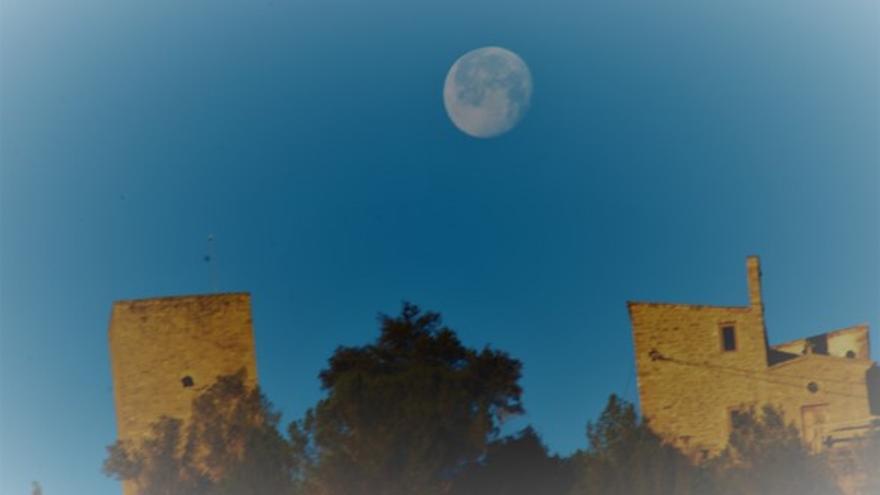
point(766, 455)
point(517, 465)
point(231, 445)
point(405, 414)
point(624, 457)
point(156, 465)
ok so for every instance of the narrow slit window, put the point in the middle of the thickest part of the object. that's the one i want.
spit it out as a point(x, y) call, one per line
point(728, 338)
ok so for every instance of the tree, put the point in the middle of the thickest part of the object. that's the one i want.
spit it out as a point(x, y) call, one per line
point(405, 414)
point(230, 445)
point(624, 457)
point(234, 438)
point(516, 465)
point(765, 454)
point(156, 465)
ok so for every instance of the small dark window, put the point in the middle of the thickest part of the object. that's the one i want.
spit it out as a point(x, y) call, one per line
point(187, 381)
point(850, 354)
point(728, 338)
point(813, 387)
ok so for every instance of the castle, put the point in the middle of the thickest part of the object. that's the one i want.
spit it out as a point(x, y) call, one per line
point(165, 351)
point(699, 366)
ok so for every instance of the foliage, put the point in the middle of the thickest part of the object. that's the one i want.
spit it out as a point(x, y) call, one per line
point(157, 465)
point(517, 465)
point(766, 455)
point(405, 414)
point(624, 457)
point(230, 445)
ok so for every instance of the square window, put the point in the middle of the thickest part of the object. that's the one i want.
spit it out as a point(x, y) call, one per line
point(728, 338)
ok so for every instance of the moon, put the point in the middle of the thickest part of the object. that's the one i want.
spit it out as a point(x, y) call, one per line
point(487, 91)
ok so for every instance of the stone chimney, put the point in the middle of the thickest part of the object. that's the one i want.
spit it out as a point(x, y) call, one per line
point(753, 268)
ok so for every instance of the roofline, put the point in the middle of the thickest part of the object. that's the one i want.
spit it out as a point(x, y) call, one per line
point(858, 326)
point(180, 297)
point(839, 359)
point(686, 305)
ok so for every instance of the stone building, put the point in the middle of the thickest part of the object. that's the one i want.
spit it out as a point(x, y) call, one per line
point(164, 351)
point(698, 366)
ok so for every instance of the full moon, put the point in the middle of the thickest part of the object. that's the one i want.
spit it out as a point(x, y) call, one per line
point(487, 91)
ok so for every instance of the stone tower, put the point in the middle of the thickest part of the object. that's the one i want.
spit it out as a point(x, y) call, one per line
point(164, 351)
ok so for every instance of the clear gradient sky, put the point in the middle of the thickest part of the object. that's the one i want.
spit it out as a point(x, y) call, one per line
point(666, 141)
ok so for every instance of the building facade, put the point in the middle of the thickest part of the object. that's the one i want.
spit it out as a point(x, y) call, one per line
point(698, 366)
point(165, 351)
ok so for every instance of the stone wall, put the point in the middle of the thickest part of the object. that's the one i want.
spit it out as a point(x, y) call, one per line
point(689, 384)
point(165, 351)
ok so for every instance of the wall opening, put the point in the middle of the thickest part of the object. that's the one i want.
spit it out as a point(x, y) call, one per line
point(818, 344)
point(728, 338)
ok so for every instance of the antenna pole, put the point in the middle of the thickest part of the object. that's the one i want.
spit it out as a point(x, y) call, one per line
point(212, 261)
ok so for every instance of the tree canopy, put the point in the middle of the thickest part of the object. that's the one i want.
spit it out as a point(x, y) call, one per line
point(624, 456)
point(765, 454)
point(406, 413)
point(230, 445)
point(517, 465)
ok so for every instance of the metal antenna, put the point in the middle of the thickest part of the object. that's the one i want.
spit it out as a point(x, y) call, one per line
point(211, 260)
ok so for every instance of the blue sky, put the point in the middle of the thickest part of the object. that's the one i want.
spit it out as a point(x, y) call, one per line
point(665, 142)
